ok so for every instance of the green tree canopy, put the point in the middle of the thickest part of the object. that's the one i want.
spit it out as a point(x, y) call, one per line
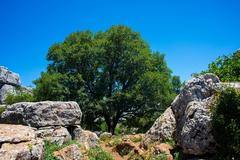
point(113, 75)
point(227, 68)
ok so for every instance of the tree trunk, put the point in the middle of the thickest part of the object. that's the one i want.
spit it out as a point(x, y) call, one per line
point(111, 128)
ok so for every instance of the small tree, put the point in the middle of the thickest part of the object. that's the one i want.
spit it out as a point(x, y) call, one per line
point(112, 75)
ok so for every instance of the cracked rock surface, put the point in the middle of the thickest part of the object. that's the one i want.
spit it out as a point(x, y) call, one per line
point(20, 143)
point(188, 119)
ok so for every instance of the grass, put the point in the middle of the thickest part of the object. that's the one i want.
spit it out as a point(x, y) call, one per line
point(114, 141)
point(161, 156)
point(136, 139)
point(51, 147)
point(98, 153)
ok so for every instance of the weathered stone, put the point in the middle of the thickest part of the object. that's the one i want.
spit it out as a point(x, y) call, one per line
point(6, 90)
point(15, 133)
point(9, 77)
point(191, 109)
point(193, 116)
point(32, 150)
point(105, 135)
point(41, 114)
point(71, 152)
point(20, 143)
point(85, 138)
point(58, 135)
point(162, 130)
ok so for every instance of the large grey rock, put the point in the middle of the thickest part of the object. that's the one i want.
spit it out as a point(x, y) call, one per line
point(105, 135)
point(85, 138)
point(15, 133)
point(9, 77)
point(162, 130)
point(71, 152)
point(31, 150)
point(6, 90)
point(58, 135)
point(42, 114)
point(193, 117)
point(20, 143)
point(191, 112)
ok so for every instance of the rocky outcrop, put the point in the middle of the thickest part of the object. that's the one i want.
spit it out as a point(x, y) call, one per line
point(58, 134)
point(162, 130)
point(86, 138)
point(71, 152)
point(6, 90)
point(8, 83)
point(193, 116)
point(43, 114)
point(54, 120)
point(105, 135)
point(9, 77)
point(20, 143)
point(191, 111)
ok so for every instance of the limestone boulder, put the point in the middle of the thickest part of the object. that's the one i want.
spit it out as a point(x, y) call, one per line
point(6, 90)
point(20, 143)
point(193, 116)
point(85, 138)
point(71, 152)
point(58, 134)
point(16, 133)
point(43, 114)
point(105, 135)
point(162, 130)
point(189, 117)
point(9, 77)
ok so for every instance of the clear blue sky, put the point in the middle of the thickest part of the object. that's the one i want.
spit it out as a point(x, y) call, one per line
point(191, 33)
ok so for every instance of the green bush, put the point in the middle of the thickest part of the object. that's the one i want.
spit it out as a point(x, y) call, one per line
point(51, 147)
point(2, 109)
point(22, 97)
point(98, 153)
point(226, 124)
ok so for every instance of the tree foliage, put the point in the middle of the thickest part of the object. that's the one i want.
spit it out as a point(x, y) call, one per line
point(113, 75)
point(226, 124)
point(21, 97)
point(227, 68)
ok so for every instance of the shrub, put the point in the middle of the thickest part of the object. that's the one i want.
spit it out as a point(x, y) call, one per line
point(22, 97)
point(114, 141)
point(51, 147)
point(226, 124)
point(2, 109)
point(98, 153)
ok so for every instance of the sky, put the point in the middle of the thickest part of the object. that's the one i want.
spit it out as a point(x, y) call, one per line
point(191, 33)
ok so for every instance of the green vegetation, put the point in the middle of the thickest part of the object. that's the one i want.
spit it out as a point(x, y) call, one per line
point(227, 68)
point(98, 153)
point(226, 124)
point(22, 97)
point(113, 75)
point(2, 109)
point(51, 147)
point(160, 156)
